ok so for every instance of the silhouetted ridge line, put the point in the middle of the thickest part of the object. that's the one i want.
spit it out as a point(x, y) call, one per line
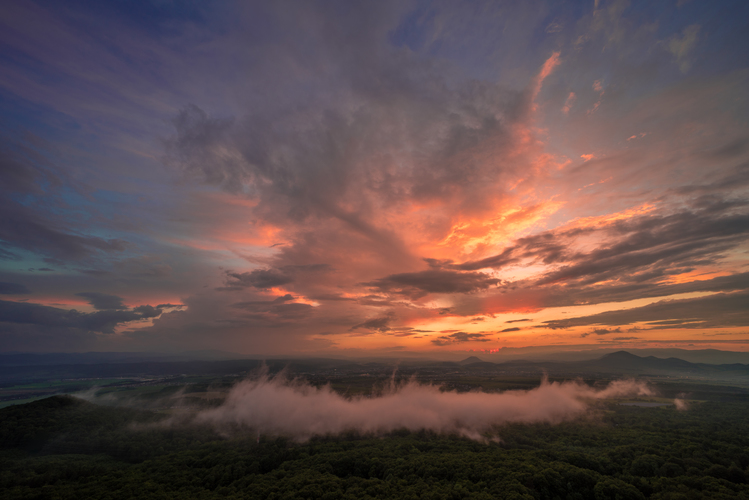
point(470, 360)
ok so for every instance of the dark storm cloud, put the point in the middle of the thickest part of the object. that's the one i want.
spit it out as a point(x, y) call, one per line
point(737, 177)
point(258, 278)
point(146, 311)
point(278, 309)
point(634, 245)
point(292, 311)
point(303, 158)
point(198, 135)
point(342, 160)
point(44, 316)
point(12, 288)
point(335, 297)
point(507, 257)
point(636, 257)
point(459, 338)
point(103, 301)
point(381, 129)
point(670, 240)
point(548, 247)
point(605, 331)
point(306, 268)
point(273, 277)
point(375, 300)
point(564, 296)
point(718, 310)
point(381, 324)
point(438, 263)
point(421, 283)
point(253, 305)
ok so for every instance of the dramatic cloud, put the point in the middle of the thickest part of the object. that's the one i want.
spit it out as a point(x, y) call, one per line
point(459, 337)
point(380, 324)
point(719, 310)
point(646, 241)
point(629, 245)
point(259, 278)
point(102, 301)
point(263, 304)
point(103, 321)
point(279, 407)
point(419, 284)
point(366, 171)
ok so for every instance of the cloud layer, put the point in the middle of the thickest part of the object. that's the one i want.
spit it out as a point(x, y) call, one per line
point(280, 407)
point(336, 177)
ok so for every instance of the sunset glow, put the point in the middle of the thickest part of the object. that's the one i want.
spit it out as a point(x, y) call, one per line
point(393, 178)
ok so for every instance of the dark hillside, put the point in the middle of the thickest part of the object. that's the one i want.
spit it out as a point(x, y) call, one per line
point(72, 449)
point(64, 424)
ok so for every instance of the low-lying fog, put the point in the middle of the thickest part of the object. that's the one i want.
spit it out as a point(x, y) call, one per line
point(293, 408)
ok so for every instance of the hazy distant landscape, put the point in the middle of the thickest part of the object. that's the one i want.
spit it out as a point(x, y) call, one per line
point(219, 429)
point(24, 377)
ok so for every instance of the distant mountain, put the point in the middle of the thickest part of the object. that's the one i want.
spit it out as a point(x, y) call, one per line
point(621, 363)
point(548, 354)
point(621, 356)
point(626, 363)
point(25, 367)
point(709, 356)
point(470, 360)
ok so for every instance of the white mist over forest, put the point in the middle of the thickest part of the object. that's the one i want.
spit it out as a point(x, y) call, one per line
point(279, 406)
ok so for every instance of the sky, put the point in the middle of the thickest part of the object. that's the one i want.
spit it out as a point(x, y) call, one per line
point(373, 178)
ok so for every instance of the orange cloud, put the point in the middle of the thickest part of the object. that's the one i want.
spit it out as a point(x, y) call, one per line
point(568, 103)
point(551, 63)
